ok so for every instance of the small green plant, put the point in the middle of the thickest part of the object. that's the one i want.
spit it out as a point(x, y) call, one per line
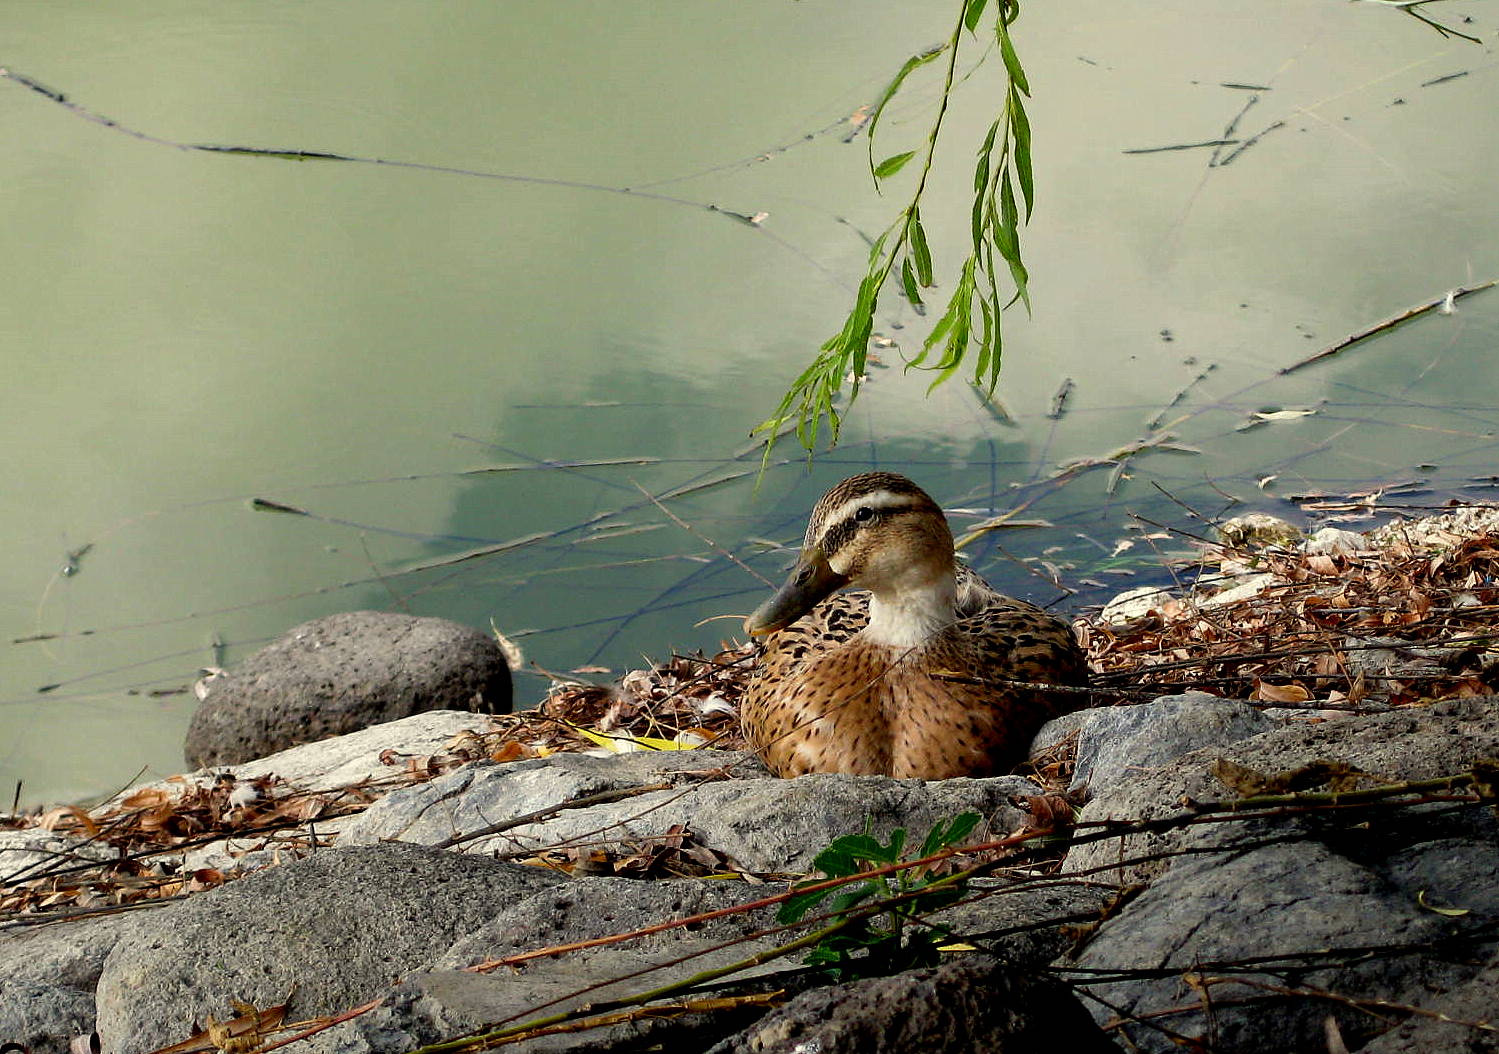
point(875, 943)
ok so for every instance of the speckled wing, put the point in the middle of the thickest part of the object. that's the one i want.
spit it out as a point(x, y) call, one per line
point(831, 624)
point(1019, 640)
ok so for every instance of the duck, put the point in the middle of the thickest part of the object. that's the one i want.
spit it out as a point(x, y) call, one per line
point(912, 676)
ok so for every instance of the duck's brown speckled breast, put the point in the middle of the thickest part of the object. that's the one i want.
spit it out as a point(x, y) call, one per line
point(827, 701)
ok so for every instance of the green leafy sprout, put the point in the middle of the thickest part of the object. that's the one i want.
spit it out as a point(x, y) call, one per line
point(876, 944)
point(971, 320)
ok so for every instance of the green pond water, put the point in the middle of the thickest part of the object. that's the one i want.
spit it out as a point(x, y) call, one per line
point(430, 362)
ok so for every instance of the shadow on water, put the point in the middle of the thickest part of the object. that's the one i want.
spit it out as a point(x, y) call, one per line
point(626, 555)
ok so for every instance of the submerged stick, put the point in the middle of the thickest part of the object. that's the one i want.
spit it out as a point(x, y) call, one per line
point(1445, 300)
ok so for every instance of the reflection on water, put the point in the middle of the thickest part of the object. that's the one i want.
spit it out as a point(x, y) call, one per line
point(430, 364)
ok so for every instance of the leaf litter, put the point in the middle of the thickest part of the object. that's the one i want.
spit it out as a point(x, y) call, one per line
point(1402, 620)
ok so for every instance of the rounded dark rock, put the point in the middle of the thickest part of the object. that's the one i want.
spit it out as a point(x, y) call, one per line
point(341, 673)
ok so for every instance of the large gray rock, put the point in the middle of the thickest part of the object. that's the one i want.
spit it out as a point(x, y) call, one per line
point(1385, 906)
point(360, 757)
point(365, 762)
point(1407, 744)
point(342, 673)
point(763, 824)
point(1115, 741)
point(1027, 924)
point(975, 1005)
point(50, 971)
point(331, 931)
point(1302, 917)
point(446, 1001)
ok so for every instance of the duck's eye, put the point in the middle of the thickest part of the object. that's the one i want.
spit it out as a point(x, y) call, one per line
point(865, 514)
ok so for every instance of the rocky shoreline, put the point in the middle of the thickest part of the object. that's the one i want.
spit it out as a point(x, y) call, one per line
point(1314, 866)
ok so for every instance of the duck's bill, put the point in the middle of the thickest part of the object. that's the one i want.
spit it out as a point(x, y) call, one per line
point(810, 581)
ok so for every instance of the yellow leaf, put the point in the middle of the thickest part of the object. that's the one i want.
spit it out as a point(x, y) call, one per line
point(1451, 913)
point(621, 744)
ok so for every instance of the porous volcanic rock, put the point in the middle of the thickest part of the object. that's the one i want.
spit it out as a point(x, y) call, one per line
point(342, 673)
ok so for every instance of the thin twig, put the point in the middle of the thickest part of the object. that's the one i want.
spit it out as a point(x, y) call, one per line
point(1389, 323)
point(709, 542)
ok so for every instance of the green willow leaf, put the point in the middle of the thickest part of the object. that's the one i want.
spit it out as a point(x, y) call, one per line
point(912, 64)
point(1020, 132)
point(933, 338)
point(893, 164)
point(1001, 237)
point(1008, 217)
point(1012, 61)
point(1021, 277)
point(985, 159)
point(960, 325)
point(909, 285)
point(1003, 199)
point(996, 355)
point(920, 250)
point(986, 342)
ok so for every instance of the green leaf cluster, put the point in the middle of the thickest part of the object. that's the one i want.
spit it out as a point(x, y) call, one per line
point(970, 322)
point(881, 941)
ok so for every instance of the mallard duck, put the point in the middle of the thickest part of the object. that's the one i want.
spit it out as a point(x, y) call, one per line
point(909, 678)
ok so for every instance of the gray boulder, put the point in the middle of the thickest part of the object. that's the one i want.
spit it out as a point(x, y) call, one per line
point(365, 755)
point(1284, 935)
point(35, 852)
point(342, 673)
point(1407, 744)
point(1115, 741)
point(763, 824)
point(1452, 1021)
point(1252, 932)
point(50, 972)
point(446, 1001)
point(331, 931)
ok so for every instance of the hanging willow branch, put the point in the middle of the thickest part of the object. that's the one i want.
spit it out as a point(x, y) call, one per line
point(971, 321)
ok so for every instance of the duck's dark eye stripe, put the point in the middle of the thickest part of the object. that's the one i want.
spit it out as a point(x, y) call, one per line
point(841, 533)
point(837, 537)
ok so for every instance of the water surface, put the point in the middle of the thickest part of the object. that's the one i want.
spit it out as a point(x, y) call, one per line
point(186, 331)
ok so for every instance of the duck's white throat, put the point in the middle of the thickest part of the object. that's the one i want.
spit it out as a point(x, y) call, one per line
point(910, 618)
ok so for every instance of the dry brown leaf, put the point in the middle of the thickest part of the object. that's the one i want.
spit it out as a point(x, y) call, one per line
point(55, 819)
point(510, 750)
point(147, 797)
point(1322, 564)
point(1280, 693)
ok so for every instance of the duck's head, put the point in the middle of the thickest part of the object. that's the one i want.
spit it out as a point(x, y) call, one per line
point(876, 531)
